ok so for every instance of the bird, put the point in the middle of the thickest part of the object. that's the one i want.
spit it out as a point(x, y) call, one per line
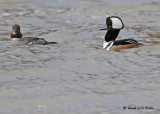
point(18, 39)
point(113, 26)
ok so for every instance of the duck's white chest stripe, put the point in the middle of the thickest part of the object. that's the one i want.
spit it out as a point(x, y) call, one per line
point(107, 45)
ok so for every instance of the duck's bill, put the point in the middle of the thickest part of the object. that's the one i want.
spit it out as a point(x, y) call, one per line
point(104, 29)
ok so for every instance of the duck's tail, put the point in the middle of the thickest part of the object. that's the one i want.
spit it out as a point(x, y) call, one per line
point(52, 42)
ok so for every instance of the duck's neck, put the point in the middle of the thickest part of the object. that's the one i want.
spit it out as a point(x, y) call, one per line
point(18, 35)
point(111, 35)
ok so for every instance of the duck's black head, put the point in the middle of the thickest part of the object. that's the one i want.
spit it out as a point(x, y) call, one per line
point(16, 33)
point(114, 24)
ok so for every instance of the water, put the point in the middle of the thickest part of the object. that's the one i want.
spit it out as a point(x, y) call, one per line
point(77, 75)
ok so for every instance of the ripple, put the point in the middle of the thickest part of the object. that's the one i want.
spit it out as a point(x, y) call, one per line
point(77, 75)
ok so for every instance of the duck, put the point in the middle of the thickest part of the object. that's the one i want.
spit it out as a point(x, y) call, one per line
point(113, 26)
point(18, 39)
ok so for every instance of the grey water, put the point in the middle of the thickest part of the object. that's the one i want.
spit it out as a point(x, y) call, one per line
point(76, 76)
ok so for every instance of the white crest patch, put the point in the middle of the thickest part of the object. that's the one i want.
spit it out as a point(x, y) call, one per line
point(116, 23)
point(107, 45)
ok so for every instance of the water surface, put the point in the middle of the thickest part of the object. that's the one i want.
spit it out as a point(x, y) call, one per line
point(77, 75)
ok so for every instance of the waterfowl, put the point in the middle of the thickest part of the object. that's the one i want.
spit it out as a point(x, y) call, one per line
point(113, 26)
point(17, 38)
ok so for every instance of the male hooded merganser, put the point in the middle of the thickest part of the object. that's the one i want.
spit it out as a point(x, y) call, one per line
point(114, 24)
point(17, 39)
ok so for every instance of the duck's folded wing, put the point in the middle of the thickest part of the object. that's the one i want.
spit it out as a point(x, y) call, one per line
point(33, 40)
